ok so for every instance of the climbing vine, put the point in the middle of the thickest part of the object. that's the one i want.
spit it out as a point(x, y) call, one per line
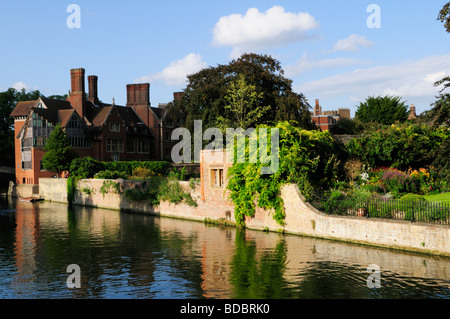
point(306, 158)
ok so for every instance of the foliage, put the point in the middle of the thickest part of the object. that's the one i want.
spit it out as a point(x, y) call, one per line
point(204, 97)
point(158, 167)
point(412, 197)
point(347, 126)
point(71, 187)
point(384, 110)
point(397, 183)
point(440, 111)
point(107, 174)
point(8, 101)
point(85, 167)
point(306, 158)
point(444, 16)
point(59, 153)
point(142, 173)
point(158, 188)
point(401, 146)
point(107, 185)
point(243, 104)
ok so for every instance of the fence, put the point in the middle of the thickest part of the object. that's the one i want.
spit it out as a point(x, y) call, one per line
point(414, 211)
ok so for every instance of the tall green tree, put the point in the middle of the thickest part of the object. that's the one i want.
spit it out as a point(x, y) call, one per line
point(59, 153)
point(242, 105)
point(204, 97)
point(8, 101)
point(384, 110)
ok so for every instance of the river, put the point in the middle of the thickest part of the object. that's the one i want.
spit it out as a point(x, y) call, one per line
point(123, 255)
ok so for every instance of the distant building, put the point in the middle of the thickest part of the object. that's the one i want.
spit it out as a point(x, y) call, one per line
point(106, 132)
point(325, 120)
point(412, 113)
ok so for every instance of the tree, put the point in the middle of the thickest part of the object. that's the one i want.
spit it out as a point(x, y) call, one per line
point(347, 126)
point(59, 153)
point(243, 105)
point(384, 110)
point(204, 97)
point(444, 16)
point(8, 101)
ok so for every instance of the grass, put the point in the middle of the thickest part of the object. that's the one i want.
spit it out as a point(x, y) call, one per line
point(444, 197)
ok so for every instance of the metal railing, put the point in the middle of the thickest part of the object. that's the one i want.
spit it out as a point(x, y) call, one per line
point(413, 211)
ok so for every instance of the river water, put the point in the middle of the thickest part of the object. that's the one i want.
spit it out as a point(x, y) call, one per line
point(124, 255)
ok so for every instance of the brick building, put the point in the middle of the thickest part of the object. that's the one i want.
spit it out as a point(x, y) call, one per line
point(106, 132)
point(325, 120)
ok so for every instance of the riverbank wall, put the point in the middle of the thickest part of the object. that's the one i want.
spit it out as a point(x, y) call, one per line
point(301, 217)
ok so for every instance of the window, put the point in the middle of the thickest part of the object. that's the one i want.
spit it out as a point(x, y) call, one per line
point(114, 127)
point(130, 146)
point(80, 142)
point(114, 145)
point(169, 123)
point(39, 141)
point(143, 147)
point(217, 179)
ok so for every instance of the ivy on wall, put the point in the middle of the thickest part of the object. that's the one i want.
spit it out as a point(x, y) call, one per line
point(306, 158)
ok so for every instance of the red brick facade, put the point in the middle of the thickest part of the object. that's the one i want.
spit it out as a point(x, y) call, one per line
point(106, 132)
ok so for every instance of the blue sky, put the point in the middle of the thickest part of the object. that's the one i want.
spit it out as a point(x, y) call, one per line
point(325, 47)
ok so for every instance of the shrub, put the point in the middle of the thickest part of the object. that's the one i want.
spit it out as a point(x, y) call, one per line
point(158, 167)
point(85, 167)
point(142, 173)
point(412, 197)
point(107, 174)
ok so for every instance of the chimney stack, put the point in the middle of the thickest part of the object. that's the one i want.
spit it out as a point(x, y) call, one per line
point(317, 108)
point(138, 94)
point(177, 96)
point(93, 89)
point(138, 98)
point(78, 95)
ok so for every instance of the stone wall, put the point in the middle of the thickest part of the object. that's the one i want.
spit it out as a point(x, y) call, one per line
point(301, 218)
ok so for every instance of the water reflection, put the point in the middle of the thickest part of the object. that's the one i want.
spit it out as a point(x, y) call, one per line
point(125, 255)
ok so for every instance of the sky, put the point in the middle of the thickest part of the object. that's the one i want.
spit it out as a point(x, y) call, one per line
point(339, 52)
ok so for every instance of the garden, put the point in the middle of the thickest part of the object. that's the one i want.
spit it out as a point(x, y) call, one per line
point(399, 171)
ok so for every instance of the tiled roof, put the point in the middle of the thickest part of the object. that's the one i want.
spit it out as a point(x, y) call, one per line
point(23, 108)
point(64, 116)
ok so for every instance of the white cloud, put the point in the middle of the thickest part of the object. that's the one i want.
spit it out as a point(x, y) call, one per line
point(306, 63)
point(411, 80)
point(352, 43)
point(256, 30)
point(176, 73)
point(21, 85)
